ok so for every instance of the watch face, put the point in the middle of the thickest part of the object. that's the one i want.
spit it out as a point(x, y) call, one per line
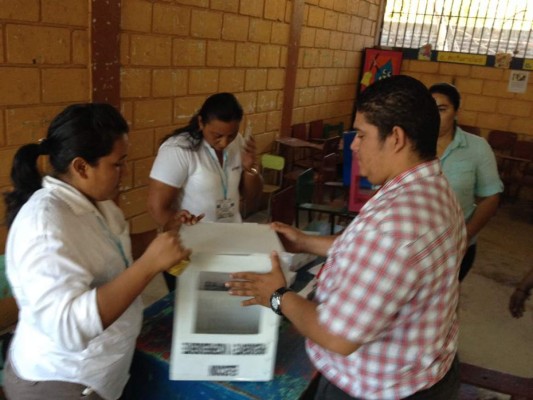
point(275, 303)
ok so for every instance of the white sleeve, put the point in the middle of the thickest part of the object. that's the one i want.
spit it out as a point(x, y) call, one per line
point(171, 166)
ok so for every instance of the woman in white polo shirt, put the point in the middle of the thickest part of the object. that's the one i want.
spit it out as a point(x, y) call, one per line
point(69, 262)
point(205, 167)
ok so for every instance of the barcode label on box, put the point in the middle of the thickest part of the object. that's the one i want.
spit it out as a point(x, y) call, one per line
point(243, 349)
point(223, 370)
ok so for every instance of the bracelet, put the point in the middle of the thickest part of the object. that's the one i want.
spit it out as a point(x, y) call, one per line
point(251, 171)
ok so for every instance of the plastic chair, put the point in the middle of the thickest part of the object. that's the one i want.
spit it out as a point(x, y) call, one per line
point(272, 172)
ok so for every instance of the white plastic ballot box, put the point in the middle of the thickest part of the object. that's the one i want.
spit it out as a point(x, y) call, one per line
point(214, 337)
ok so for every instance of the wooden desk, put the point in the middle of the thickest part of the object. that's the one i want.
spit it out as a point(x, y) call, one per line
point(150, 367)
point(286, 147)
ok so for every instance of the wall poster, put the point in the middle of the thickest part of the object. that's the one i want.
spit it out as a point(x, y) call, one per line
point(379, 64)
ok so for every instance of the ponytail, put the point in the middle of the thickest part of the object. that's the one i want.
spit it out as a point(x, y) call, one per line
point(85, 130)
point(26, 179)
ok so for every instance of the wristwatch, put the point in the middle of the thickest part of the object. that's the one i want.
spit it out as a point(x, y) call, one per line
point(275, 299)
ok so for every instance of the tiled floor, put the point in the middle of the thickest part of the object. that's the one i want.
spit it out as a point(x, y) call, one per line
point(489, 337)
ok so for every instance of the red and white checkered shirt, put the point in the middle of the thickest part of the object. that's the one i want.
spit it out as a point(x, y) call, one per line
point(390, 284)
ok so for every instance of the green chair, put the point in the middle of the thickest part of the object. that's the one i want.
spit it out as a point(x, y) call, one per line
point(272, 172)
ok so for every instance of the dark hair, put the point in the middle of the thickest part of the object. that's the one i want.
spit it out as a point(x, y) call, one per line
point(88, 131)
point(448, 90)
point(220, 106)
point(405, 102)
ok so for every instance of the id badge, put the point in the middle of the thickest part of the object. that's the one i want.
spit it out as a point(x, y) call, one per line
point(225, 210)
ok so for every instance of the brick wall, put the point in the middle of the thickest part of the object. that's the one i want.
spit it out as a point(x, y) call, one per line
point(486, 103)
point(176, 54)
point(44, 58)
point(334, 34)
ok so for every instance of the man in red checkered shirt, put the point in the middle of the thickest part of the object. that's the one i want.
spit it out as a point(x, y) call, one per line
point(383, 323)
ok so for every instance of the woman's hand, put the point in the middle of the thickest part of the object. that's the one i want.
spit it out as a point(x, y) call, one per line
point(249, 156)
point(259, 287)
point(165, 251)
point(182, 217)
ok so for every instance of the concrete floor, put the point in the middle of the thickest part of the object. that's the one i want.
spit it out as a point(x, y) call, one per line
point(489, 336)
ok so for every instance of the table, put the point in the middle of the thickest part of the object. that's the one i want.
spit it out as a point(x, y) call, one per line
point(150, 366)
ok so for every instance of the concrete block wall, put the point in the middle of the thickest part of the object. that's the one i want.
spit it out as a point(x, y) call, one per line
point(44, 66)
point(175, 54)
point(486, 103)
point(333, 37)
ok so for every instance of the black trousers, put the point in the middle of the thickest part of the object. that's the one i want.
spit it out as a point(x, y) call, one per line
point(445, 389)
point(468, 261)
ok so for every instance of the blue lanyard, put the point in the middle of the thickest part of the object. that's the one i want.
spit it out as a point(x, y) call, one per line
point(222, 172)
point(116, 241)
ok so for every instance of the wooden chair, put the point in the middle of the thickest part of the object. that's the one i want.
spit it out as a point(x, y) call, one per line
point(516, 170)
point(327, 179)
point(471, 129)
point(305, 201)
point(502, 142)
point(282, 205)
point(519, 388)
point(331, 130)
point(316, 130)
point(299, 131)
point(315, 159)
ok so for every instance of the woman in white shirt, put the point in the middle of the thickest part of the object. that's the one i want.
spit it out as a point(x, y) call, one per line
point(205, 167)
point(69, 262)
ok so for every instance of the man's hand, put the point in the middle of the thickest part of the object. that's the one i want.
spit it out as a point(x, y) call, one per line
point(259, 287)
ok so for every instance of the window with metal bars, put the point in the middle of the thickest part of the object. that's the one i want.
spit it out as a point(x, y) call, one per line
point(484, 27)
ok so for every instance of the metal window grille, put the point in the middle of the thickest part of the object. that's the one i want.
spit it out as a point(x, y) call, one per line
point(466, 26)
